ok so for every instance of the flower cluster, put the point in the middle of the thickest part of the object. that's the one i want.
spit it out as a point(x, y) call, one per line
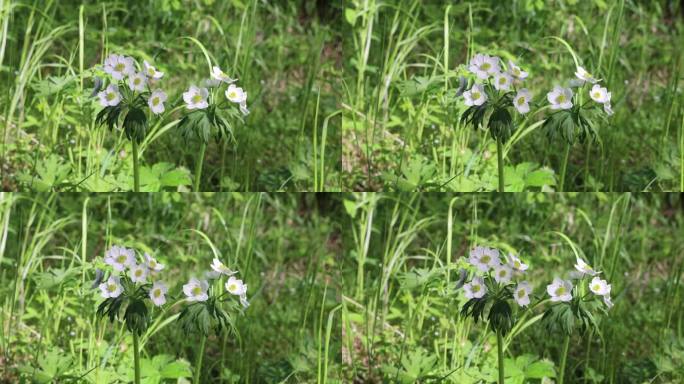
point(492, 72)
point(122, 259)
point(142, 81)
point(562, 97)
point(561, 290)
point(196, 290)
point(198, 97)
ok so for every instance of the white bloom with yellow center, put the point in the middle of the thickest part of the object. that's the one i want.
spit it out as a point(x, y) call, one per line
point(560, 98)
point(502, 81)
point(196, 290)
point(137, 82)
point(585, 76)
point(196, 98)
point(521, 101)
point(484, 258)
point(484, 65)
point(475, 289)
point(111, 288)
point(119, 66)
point(503, 274)
point(156, 101)
point(599, 286)
point(585, 268)
point(599, 94)
point(138, 273)
point(235, 286)
point(515, 71)
point(236, 94)
point(158, 293)
point(218, 74)
point(119, 257)
point(515, 263)
point(522, 293)
point(560, 290)
point(152, 72)
point(152, 264)
point(219, 267)
point(110, 96)
point(475, 95)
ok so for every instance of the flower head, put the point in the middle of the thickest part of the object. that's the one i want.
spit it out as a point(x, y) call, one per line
point(196, 98)
point(521, 101)
point(475, 95)
point(585, 76)
point(219, 267)
point(235, 286)
point(152, 72)
point(484, 258)
point(137, 81)
point(152, 264)
point(156, 101)
point(503, 273)
point(111, 288)
point(560, 98)
point(218, 74)
point(599, 286)
point(522, 293)
point(516, 263)
point(196, 290)
point(236, 94)
point(110, 96)
point(515, 71)
point(484, 65)
point(475, 289)
point(119, 66)
point(138, 273)
point(560, 290)
point(502, 81)
point(600, 94)
point(158, 292)
point(585, 268)
point(119, 257)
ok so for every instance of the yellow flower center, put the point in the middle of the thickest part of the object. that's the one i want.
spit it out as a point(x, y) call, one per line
point(476, 288)
point(119, 67)
point(475, 95)
point(597, 95)
point(597, 287)
point(517, 263)
point(232, 95)
point(138, 272)
point(521, 101)
point(197, 98)
point(150, 71)
point(111, 287)
point(486, 66)
point(232, 287)
point(560, 99)
point(196, 291)
point(516, 71)
point(152, 262)
point(485, 259)
point(157, 292)
point(560, 291)
point(136, 81)
point(111, 96)
point(502, 273)
point(502, 80)
point(121, 258)
point(155, 102)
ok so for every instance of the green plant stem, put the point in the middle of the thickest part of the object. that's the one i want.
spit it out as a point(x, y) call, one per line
point(136, 357)
point(198, 362)
point(198, 166)
point(564, 167)
point(136, 171)
point(564, 358)
point(499, 347)
point(499, 156)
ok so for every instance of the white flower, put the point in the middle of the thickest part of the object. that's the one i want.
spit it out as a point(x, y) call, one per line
point(218, 74)
point(515, 71)
point(236, 287)
point(236, 94)
point(110, 96)
point(600, 94)
point(483, 66)
point(521, 101)
point(156, 101)
point(475, 95)
point(607, 301)
point(515, 263)
point(585, 268)
point(243, 108)
point(475, 289)
point(599, 286)
point(583, 75)
point(158, 292)
point(151, 72)
point(560, 98)
point(119, 66)
point(138, 273)
point(503, 273)
point(137, 81)
point(196, 290)
point(111, 288)
point(152, 264)
point(219, 267)
point(119, 257)
point(502, 81)
point(560, 290)
point(243, 300)
point(483, 258)
point(522, 293)
point(608, 109)
point(196, 98)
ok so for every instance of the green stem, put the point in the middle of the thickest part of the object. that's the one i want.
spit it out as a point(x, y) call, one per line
point(136, 358)
point(564, 167)
point(136, 171)
point(198, 166)
point(499, 347)
point(198, 363)
point(499, 156)
point(564, 358)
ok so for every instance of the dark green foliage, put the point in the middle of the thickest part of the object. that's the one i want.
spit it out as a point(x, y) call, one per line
point(570, 125)
point(137, 316)
point(567, 317)
point(201, 124)
point(501, 316)
point(203, 317)
point(501, 124)
point(475, 308)
point(474, 116)
point(135, 124)
point(109, 116)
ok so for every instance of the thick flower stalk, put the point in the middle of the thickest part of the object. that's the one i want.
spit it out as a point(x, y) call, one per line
point(130, 94)
point(496, 283)
point(131, 289)
point(494, 94)
point(210, 307)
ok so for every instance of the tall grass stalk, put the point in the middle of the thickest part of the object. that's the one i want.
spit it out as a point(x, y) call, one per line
point(198, 166)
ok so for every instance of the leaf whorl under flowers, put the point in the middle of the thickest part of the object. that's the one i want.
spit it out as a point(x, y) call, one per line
point(501, 124)
point(501, 316)
point(109, 116)
point(137, 316)
point(202, 317)
point(567, 317)
point(570, 125)
point(201, 124)
point(135, 124)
